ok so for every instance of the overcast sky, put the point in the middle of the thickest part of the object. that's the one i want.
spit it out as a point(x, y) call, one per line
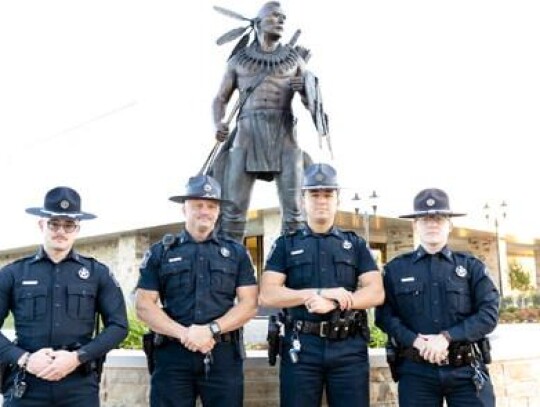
point(113, 98)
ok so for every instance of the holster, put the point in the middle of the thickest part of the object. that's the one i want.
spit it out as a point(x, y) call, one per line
point(485, 350)
point(5, 369)
point(393, 359)
point(274, 339)
point(148, 342)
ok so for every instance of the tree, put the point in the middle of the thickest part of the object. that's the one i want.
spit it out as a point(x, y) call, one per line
point(520, 279)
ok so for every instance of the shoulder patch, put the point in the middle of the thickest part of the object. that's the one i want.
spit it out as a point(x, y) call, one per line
point(145, 259)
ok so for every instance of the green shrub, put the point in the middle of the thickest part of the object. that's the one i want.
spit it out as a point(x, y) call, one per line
point(535, 299)
point(378, 338)
point(507, 302)
point(136, 331)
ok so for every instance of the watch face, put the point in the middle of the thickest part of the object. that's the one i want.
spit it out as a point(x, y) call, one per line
point(214, 327)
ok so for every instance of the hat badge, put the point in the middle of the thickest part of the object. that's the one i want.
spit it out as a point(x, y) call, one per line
point(319, 177)
point(64, 204)
point(430, 202)
point(225, 252)
point(84, 273)
point(347, 245)
point(207, 187)
point(461, 271)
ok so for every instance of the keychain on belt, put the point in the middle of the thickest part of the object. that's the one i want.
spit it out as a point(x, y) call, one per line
point(208, 360)
point(296, 347)
point(479, 378)
point(19, 384)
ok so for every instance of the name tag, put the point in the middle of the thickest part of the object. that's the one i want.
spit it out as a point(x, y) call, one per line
point(407, 279)
point(30, 282)
point(295, 252)
point(174, 259)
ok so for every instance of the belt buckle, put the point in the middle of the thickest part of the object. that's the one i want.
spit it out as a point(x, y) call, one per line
point(321, 329)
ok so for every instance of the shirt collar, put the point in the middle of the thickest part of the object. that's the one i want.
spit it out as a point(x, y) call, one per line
point(42, 254)
point(185, 237)
point(334, 231)
point(420, 253)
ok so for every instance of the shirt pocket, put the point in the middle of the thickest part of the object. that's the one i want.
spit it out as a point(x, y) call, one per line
point(410, 298)
point(81, 301)
point(299, 270)
point(345, 266)
point(32, 303)
point(222, 277)
point(458, 297)
point(177, 277)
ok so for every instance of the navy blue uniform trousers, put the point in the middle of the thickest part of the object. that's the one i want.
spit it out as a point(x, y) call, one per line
point(429, 387)
point(75, 390)
point(341, 367)
point(179, 377)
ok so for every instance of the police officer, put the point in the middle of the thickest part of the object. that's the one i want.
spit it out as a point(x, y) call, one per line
point(55, 297)
point(324, 278)
point(440, 305)
point(197, 276)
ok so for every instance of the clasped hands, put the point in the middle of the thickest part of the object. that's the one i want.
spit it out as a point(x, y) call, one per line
point(197, 338)
point(52, 365)
point(433, 348)
point(328, 298)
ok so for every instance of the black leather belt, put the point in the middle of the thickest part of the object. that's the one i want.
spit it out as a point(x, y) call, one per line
point(459, 354)
point(232, 336)
point(326, 329)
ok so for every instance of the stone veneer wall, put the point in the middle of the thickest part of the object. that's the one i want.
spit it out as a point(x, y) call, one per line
point(399, 241)
point(517, 382)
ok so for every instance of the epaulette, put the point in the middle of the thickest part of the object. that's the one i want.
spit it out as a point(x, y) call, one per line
point(405, 255)
point(20, 260)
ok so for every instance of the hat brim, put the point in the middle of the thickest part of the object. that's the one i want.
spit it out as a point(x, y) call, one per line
point(421, 214)
point(314, 187)
point(184, 198)
point(49, 214)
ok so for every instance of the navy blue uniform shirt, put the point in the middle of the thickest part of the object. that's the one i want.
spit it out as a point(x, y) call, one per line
point(429, 293)
point(197, 281)
point(312, 260)
point(55, 305)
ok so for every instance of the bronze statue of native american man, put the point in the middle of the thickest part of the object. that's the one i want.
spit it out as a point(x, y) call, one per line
point(263, 145)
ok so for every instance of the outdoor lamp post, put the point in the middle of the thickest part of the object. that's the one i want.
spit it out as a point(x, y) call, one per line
point(497, 216)
point(370, 203)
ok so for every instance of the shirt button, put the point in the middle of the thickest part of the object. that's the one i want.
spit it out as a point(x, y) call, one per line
point(57, 324)
point(57, 286)
point(435, 284)
point(436, 321)
point(57, 305)
point(435, 302)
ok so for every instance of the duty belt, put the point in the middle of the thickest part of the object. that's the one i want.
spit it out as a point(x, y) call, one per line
point(326, 329)
point(459, 354)
point(232, 336)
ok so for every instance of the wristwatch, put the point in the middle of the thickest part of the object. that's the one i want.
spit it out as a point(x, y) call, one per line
point(82, 356)
point(215, 329)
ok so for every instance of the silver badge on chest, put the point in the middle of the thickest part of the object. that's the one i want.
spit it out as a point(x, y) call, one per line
point(347, 245)
point(461, 271)
point(225, 252)
point(84, 273)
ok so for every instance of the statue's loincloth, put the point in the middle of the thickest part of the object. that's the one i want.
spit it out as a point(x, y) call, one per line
point(263, 133)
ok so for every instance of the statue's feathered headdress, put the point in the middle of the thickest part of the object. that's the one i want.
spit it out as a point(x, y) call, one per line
point(236, 32)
